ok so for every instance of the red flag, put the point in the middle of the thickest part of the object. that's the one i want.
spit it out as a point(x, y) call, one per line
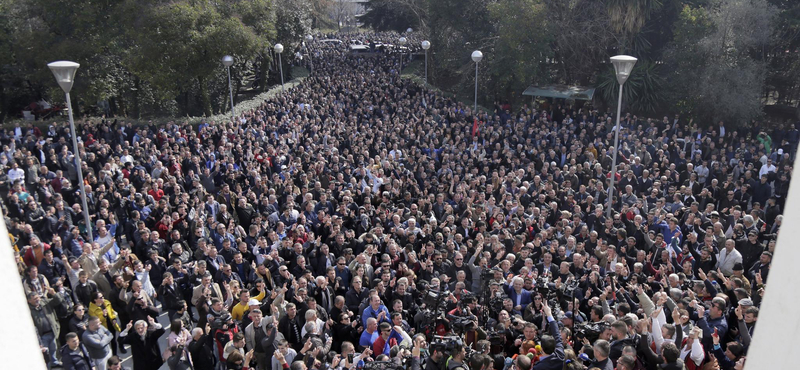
point(475, 128)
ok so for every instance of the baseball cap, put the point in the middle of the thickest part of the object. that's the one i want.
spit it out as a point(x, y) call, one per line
point(570, 315)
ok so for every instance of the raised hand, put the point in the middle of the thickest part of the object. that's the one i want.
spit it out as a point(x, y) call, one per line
point(715, 336)
point(676, 317)
point(656, 312)
point(546, 309)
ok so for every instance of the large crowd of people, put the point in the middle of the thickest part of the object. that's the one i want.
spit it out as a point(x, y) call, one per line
point(360, 220)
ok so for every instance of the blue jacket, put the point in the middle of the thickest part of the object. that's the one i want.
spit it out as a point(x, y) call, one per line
point(554, 361)
point(708, 325)
point(367, 339)
point(724, 362)
point(524, 296)
point(369, 312)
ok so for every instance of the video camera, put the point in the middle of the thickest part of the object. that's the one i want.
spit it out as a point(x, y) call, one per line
point(382, 365)
point(447, 344)
point(590, 331)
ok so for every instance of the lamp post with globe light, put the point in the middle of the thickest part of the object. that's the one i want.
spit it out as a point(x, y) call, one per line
point(64, 71)
point(310, 38)
point(476, 57)
point(227, 61)
point(425, 46)
point(623, 65)
point(402, 41)
point(279, 50)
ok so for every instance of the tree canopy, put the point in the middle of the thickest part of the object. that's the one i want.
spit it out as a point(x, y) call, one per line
point(143, 57)
point(715, 59)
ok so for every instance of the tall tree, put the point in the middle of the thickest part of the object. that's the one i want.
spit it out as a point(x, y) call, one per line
point(714, 62)
point(521, 46)
point(178, 47)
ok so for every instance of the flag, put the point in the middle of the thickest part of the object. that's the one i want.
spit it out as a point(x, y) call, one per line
point(475, 130)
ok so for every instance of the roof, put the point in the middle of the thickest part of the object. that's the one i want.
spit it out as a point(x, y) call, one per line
point(560, 91)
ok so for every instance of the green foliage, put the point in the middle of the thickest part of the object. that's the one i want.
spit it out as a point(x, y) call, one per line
point(180, 44)
point(387, 15)
point(520, 53)
point(713, 64)
point(707, 57)
point(142, 57)
point(642, 92)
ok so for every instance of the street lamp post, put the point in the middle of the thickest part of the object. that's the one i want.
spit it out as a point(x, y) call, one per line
point(623, 65)
point(310, 38)
point(227, 61)
point(476, 57)
point(425, 46)
point(279, 50)
point(402, 42)
point(64, 72)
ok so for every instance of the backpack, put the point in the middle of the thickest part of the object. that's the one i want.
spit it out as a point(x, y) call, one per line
point(223, 339)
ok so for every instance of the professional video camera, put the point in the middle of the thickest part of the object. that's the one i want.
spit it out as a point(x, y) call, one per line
point(447, 343)
point(464, 320)
point(569, 288)
point(547, 288)
point(495, 337)
point(382, 365)
point(492, 303)
point(590, 331)
point(434, 311)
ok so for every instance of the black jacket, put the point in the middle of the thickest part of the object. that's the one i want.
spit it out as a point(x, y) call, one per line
point(202, 357)
point(147, 353)
point(76, 360)
point(170, 296)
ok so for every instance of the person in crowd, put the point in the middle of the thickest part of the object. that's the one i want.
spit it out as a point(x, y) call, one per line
point(145, 349)
point(74, 354)
point(303, 227)
point(98, 341)
point(45, 320)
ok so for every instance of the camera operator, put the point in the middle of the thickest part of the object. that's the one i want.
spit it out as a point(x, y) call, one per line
point(463, 321)
point(435, 360)
point(457, 359)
